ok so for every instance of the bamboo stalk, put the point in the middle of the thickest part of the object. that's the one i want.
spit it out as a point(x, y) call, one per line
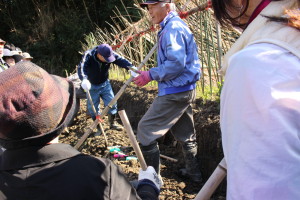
point(219, 41)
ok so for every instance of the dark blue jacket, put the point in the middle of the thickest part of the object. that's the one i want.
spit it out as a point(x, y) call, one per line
point(94, 70)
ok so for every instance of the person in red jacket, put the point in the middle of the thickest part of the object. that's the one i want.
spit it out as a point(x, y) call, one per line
point(34, 109)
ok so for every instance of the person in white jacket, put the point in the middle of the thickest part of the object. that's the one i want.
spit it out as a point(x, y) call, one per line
point(260, 99)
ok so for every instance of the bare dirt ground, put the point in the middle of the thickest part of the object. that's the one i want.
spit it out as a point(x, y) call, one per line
point(135, 102)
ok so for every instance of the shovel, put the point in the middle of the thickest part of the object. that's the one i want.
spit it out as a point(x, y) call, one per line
point(213, 182)
point(95, 112)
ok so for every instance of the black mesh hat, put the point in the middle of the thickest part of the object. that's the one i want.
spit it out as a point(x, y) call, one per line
point(35, 106)
point(147, 2)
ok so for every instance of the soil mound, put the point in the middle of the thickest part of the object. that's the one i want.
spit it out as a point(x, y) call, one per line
point(135, 101)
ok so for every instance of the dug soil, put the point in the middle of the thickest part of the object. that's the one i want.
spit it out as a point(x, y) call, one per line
point(135, 101)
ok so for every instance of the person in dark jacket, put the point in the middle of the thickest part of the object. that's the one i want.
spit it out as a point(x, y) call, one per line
point(34, 108)
point(93, 72)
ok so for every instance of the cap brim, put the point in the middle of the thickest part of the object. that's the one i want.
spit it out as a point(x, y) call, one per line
point(145, 4)
point(8, 55)
point(110, 59)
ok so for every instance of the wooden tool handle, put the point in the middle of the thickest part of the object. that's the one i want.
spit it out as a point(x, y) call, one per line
point(131, 135)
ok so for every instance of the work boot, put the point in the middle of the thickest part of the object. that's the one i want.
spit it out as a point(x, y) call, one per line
point(98, 132)
point(113, 124)
point(151, 156)
point(192, 169)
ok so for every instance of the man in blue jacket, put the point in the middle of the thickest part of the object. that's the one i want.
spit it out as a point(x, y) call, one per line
point(177, 70)
point(93, 71)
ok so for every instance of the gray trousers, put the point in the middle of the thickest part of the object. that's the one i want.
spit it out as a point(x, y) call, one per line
point(170, 112)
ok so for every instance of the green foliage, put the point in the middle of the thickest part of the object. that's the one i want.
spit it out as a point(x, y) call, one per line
point(211, 41)
point(52, 31)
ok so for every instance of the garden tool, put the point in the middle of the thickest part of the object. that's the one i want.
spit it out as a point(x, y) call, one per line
point(95, 112)
point(136, 148)
point(213, 182)
point(133, 141)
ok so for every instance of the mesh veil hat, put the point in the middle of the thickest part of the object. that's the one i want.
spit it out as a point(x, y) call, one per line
point(147, 2)
point(35, 106)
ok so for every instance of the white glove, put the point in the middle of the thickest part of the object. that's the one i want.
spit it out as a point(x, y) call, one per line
point(151, 175)
point(86, 85)
point(132, 72)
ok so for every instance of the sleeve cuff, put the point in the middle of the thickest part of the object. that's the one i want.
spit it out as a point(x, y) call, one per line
point(148, 182)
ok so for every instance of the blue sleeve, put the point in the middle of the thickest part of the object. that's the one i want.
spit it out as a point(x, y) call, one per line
point(121, 61)
point(173, 61)
point(83, 65)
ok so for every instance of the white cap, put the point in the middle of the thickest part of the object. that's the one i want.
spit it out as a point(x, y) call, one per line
point(27, 55)
point(15, 52)
point(7, 52)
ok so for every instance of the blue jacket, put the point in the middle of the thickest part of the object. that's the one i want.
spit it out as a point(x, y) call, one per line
point(96, 71)
point(178, 65)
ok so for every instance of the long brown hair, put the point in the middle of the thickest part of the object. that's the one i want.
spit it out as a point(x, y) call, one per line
point(291, 17)
point(220, 8)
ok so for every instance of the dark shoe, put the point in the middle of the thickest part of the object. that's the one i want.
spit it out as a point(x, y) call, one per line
point(192, 168)
point(197, 178)
point(113, 124)
point(98, 132)
point(116, 126)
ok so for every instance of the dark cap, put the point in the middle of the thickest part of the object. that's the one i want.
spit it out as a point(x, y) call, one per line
point(35, 106)
point(106, 51)
point(147, 2)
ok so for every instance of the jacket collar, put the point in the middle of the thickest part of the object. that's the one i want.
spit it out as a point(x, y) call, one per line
point(94, 54)
point(167, 19)
point(36, 155)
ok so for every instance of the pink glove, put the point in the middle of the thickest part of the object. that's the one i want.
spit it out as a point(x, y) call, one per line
point(143, 78)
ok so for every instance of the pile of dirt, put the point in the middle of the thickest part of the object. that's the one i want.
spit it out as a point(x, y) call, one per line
point(135, 102)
